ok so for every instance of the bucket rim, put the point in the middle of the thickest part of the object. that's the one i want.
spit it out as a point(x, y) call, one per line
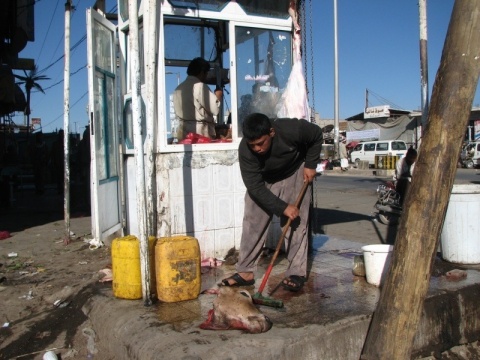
point(377, 248)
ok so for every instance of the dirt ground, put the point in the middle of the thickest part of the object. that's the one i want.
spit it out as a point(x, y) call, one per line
point(43, 282)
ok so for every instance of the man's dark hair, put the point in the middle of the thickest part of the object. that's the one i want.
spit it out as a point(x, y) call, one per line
point(255, 126)
point(411, 152)
point(197, 66)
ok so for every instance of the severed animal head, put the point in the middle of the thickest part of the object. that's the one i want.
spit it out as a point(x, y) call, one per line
point(233, 309)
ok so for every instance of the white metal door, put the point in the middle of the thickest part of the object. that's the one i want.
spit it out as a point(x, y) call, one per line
point(104, 140)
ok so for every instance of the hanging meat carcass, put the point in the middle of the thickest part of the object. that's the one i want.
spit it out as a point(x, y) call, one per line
point(294, 101)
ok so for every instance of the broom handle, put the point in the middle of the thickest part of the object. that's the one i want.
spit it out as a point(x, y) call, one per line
point(280, 241)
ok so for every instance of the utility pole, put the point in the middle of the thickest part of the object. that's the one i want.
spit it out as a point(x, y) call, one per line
point(395, 321)
point(336, 121)
point(422, 10)
point(66, 121)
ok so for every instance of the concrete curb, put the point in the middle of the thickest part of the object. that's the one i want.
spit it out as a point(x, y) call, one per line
point(128, 330)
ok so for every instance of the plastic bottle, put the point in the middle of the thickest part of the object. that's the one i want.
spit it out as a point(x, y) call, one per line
point(50, 355)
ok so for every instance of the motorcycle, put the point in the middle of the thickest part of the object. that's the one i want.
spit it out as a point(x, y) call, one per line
point(388, 204)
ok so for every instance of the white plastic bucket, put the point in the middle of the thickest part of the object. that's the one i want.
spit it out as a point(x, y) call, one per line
point(460, 238)
point(377, 261)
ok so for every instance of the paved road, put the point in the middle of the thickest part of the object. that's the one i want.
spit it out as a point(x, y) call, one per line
point(344, 203)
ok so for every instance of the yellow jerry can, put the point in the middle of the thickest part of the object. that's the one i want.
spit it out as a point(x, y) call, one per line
point(127, 280)
point(177, 264)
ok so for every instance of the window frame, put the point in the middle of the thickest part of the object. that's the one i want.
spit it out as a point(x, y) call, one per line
point(163, 145)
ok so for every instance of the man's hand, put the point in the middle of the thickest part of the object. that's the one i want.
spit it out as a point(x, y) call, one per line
point(291, 212)
point(218, 93)
point(309, 175)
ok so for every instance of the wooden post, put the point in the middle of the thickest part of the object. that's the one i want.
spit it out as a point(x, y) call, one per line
point(394, 324)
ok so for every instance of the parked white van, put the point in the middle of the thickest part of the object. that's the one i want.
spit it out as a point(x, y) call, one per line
point(366, 151)
point(470, 155)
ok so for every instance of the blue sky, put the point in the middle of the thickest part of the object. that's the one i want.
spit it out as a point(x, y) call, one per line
point(378, 49)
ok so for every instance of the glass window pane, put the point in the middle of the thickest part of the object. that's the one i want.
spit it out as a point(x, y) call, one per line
point(128, 123)
point(196, 41)
point(123, 9)
point(382, 146)
point(103, 47)
point(99, 125)
point(111, 129)
point(264, 62)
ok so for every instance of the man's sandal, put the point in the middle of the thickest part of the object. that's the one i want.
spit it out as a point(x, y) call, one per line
point(239, 281)
point(294, 283)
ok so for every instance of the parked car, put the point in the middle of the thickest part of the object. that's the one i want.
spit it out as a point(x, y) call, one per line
point(366, 151)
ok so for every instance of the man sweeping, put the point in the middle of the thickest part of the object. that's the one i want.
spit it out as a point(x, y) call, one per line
point(276, 158)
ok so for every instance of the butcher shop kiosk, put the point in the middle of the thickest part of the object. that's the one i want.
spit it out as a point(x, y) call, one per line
point(144, 182)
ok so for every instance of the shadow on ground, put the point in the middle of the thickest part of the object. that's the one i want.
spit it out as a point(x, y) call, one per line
point(28, 209)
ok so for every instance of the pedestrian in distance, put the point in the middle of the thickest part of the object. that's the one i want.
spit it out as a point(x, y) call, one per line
point(57, 156)
point(276, 158)
point(403, 173)
point(343, 155)
point(39, 159)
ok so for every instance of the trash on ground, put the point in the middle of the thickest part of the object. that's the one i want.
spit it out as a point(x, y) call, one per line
point(29, 296)
point(50, 355)
point(28, 273)
point(94, 243)
point(358, 266)
point(60, 296)
point(455, 275)
point(4, 235)
point(108, 275)
point(12, 254)
point(61, 303)
point(5, 325)
point(211, 262)
point(89, 333)
point(82, 263)
point(70, 353)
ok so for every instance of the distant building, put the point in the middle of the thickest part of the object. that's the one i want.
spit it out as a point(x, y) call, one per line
point(385, 123)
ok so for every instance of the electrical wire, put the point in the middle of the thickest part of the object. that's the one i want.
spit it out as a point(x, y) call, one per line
point(384, 101)
point(61, 115)
point(61, 81)
point(48, 30)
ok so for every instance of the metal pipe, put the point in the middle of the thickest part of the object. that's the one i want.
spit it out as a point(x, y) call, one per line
point(66, 120)
point(150, 83)
point(139, 151)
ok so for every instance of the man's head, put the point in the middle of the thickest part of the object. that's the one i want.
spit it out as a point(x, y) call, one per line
point(198, 67)
point(258, 131)
point(411, 156)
